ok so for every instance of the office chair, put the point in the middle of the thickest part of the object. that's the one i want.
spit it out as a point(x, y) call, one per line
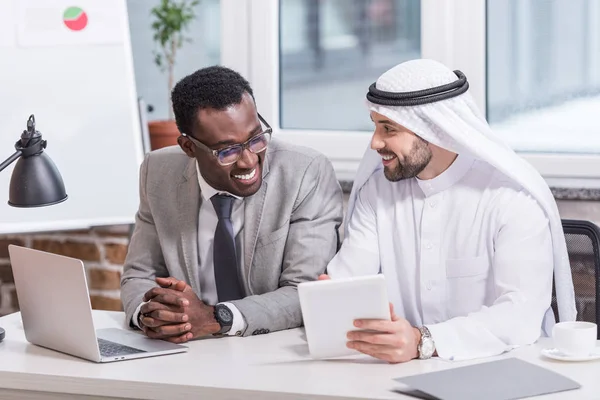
point(583, 246)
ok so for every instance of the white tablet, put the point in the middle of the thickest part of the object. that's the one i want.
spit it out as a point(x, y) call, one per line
point(329, 308)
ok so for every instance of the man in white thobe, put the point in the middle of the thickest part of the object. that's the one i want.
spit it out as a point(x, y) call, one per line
point(466, 233)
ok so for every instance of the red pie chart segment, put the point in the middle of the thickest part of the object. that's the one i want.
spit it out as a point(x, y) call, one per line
point(75, 18)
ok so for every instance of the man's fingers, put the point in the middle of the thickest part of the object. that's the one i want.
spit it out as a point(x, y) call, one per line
point(380, 351)
point(156, 313)
point(323, 277)
point(151, 306)
point(166, 296)
point(157, 291)
point(172, 283)
point(152, 334)
point(356, 346)
point(172, 300)
point(388, 357)
point(163, 317)
point(166, 281)
point(387, 339)
point(152, 322)
point(181, 286)
point(168, 316)
point(173, 330)
point(393, 315)
point(379, 325)
point(164, 331)
point(180, 339)
point(150, 294)
point(368, 348)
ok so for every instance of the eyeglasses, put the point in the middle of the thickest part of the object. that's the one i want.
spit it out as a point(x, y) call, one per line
point(231, 154)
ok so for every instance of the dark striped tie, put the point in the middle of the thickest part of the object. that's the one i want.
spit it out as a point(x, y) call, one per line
point(224, 251)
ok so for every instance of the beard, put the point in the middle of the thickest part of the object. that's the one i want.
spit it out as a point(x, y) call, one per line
point(413, 164)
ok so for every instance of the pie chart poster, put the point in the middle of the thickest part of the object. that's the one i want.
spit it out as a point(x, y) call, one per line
point(70, 22)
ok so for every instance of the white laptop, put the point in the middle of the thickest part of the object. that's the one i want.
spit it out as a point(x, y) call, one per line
point(55, 308)
point(329, 308)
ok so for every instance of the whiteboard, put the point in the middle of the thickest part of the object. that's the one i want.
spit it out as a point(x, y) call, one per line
point(73, 70)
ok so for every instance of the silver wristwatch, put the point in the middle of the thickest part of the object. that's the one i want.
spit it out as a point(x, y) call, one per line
point(426, 345)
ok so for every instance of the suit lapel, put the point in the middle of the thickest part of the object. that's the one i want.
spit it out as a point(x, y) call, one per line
point(188, 199)
point(252, 216)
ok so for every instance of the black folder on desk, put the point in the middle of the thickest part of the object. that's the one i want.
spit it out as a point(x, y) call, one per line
point(510, 378)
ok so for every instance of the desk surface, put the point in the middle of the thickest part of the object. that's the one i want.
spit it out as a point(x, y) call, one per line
point(272, 366)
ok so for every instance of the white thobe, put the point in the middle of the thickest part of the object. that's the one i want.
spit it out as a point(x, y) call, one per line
point(467, 253)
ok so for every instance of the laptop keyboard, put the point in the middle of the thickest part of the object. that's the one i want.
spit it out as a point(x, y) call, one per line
point(111, 349)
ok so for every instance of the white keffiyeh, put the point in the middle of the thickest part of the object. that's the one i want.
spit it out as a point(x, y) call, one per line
point(457, 125)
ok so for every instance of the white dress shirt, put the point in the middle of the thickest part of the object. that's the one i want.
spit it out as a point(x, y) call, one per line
point(207, 224)
point(468, 254)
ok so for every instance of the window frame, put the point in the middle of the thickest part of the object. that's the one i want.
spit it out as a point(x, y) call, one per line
point(452, 32)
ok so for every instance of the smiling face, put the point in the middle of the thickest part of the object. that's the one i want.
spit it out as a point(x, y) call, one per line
point(404, 154)
point(219, 129)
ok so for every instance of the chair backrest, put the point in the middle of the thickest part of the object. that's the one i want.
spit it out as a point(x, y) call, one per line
point(583, 246)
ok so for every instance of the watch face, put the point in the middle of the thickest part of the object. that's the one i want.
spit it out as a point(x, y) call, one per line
point(224, 314)
point(427, 348)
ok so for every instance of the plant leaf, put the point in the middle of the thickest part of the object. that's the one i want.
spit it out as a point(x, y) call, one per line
point(169, 20)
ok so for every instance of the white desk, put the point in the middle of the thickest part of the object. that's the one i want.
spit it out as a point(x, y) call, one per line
point(272, 366)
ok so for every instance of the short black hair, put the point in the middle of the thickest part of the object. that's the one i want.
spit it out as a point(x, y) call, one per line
point(215, 87)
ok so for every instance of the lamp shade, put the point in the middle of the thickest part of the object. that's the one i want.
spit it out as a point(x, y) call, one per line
point(36, 182)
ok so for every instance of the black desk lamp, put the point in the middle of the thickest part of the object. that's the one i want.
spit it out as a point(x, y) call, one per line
point(35, 181)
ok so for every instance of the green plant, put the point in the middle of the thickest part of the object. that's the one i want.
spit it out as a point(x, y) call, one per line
point(171, 20)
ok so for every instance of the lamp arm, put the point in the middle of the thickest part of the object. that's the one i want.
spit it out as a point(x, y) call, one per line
point(11, 159)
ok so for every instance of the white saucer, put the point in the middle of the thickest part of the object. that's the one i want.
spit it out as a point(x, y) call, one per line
point(556, 354)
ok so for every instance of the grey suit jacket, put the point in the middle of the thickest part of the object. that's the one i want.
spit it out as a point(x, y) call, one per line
point(290, 232)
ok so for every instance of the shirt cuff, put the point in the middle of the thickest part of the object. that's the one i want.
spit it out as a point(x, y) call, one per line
point(239, 323)
point(455, 344)
point(136, 313)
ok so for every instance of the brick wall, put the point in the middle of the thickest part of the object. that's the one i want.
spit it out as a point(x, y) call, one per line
point(102, 250)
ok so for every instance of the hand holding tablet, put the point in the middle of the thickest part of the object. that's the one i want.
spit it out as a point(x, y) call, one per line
point(330, 307)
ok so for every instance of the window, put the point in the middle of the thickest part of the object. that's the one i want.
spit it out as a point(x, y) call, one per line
point(533, 68)
point(543, 74)
point(204, 50)
point(331, 51)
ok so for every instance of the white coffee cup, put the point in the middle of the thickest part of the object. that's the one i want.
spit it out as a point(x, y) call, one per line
point(576, 338)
